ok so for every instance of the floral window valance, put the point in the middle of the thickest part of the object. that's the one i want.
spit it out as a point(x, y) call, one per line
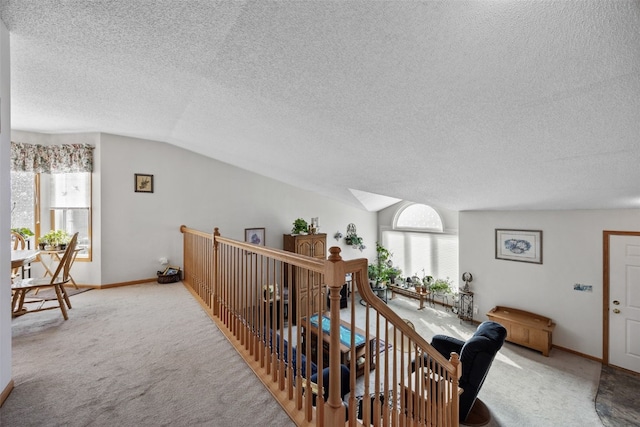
point(64, 158)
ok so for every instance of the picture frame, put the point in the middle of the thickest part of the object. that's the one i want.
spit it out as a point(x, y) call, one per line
point(519, 245)
point(255, 236)
point(143, 183)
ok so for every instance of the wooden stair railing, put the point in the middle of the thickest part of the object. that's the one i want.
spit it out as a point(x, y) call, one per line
point(242, 287)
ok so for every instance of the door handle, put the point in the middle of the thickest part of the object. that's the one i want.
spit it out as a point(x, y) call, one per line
point(616, 311)
point(616, 302)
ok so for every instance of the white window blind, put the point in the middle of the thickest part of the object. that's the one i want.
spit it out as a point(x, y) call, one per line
point(436, 253)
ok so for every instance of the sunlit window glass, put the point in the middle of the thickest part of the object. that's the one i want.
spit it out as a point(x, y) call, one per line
point(419, 216)
point(70, 206)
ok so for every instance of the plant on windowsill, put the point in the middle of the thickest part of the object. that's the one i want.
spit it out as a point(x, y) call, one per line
point(54, 240)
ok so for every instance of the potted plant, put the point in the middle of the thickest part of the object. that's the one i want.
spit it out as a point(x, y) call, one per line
point(353, 240)
point(425, 281)
point(440, 286)
point(382, 271)
point(23, 231)
point(300, 226)
point(63, 239)
point(54, 240)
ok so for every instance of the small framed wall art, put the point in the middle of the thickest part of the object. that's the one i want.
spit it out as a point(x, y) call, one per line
point(254, 235)
point(519, 245)
point(144, 183)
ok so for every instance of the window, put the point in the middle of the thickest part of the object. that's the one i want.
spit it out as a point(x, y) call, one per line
point(424, 254)
point(53, 180)
point(419, 245)
point(419, 217)
point(70, 206)
point(67, 201)
point(23, 200)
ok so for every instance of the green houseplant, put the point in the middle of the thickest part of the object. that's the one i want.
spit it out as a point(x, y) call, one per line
point(382, 271)
point(54, 239)
point(426, 279)
point(353, 240)
point(426, 282)
point(440, 286)
point(23, 231)
point(300, 226)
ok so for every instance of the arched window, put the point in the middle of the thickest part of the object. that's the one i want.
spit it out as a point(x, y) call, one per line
point(419, 244)
point(419, 217)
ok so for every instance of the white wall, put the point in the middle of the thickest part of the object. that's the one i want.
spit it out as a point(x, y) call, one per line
point(572, 253)
point(131, 231)
point(202, 193)
point(5, 211)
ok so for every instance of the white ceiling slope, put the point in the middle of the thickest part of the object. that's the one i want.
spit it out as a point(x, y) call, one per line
point(465, 105)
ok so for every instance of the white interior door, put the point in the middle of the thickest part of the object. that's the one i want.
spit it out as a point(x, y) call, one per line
point(624, 304)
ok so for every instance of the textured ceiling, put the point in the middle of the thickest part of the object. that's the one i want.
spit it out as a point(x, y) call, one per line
point(461, 104)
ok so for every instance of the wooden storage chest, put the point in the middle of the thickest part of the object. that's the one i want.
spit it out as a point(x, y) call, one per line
point(525, 328)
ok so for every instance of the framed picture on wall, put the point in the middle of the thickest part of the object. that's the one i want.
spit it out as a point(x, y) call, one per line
point(144, 183)
point(519, 245)
point(254, 235)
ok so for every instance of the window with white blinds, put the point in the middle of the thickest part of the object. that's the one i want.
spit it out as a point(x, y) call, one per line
point(70, 206)
point(424, 254)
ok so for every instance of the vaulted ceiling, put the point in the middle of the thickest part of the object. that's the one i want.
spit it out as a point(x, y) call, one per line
point(466, 105)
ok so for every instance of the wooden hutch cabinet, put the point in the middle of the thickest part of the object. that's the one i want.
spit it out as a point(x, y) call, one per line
point(305, 285)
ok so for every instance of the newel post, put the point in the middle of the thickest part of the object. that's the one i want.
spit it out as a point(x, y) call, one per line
point(334, 277)
point(214, 274)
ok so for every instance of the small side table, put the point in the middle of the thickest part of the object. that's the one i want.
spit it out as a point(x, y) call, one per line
point(54, 257)
point(465, 306)
point(444, 297)
point(381, 292)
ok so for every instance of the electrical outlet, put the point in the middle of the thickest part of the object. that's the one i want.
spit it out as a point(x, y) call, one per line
point(475, 309)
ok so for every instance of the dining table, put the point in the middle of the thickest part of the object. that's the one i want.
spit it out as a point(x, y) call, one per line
point(19, 258)
point(22, 257)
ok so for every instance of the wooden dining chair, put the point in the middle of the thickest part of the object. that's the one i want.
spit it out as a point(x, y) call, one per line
point(17, 243)
point(57, 281)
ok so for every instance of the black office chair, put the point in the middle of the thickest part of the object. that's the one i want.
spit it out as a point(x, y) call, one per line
point(476, 356)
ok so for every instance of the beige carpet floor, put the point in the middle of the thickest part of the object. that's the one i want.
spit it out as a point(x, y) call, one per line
point(147, 355)
point(143, 355)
